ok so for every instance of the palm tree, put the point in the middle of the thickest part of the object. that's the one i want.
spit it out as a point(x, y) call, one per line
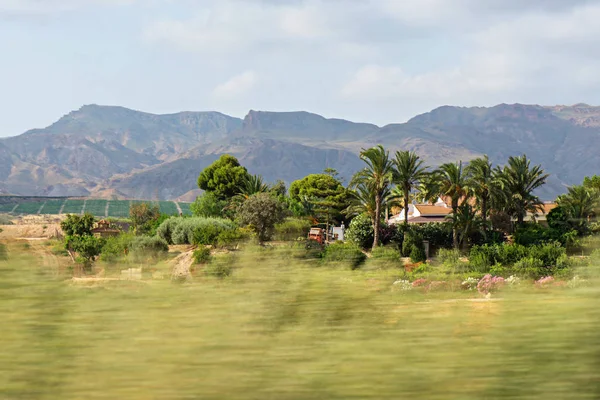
point(580, 202)
point(453, 183)
point(253, 184)
point(376, 178)
point(428, 188)
point(518, 181)
point(409, 171)
point(466, 222)
point(481, 184)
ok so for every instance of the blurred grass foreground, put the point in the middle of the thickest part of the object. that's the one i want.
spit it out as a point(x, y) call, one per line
point(280, 328)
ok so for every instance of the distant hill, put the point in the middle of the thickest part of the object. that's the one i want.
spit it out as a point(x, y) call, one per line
point(117, 152)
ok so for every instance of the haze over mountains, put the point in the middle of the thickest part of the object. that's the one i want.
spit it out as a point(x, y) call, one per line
point(104, 151)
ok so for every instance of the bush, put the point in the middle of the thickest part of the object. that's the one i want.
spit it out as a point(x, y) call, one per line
point(202, 255)
point(549, 253)
point(148, 248)
point(143, 217)
point(531, 267)
point(116, 247)
point(344, 253)
point(360, 231)
point(231, 238)
point(196, 230)
point(5, 220)
point(417, 254)
point(386, 255)
point(292, 229)
point(208, 205)
point(449, 257)
point(412, 240)
point(261, 212)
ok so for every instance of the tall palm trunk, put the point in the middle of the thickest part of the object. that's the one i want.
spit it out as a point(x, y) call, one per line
point(376, 223)
point(484, 201)
point(454, 227)
point(406, 196)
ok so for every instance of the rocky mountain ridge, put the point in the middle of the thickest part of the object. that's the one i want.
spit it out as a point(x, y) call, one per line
point(108, 151)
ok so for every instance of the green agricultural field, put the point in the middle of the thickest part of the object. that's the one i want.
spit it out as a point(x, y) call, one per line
point(119, 208)
point(96, 207)
point(73, 207)
point(185, 208)
point(29, 208)
point(7, 207)
point(168, 207)
point(53, 206)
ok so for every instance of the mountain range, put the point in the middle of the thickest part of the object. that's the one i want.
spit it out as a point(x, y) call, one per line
point(115, 152)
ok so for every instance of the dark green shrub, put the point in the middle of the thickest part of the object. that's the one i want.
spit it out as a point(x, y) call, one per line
point(346, 253)
point(417, 254)
point(196, 230)
point(531, 267)
point(533, 234)
point(360, 231)
point(292, 229)
point(412, 240)
point(479, 261)
point(148, 248)
point(500, 270)
point(202, 255)
point(231, 238)
point(449, 256)
point(386, 256)
point(549, 253)
point(438, 235)
point(206, 235)
point(116, 247)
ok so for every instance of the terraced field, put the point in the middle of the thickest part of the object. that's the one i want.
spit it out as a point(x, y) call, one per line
point(97, 207)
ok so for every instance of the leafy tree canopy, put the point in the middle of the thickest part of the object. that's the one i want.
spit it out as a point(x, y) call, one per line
point(142, 216)
point(78, 225)
point(208, 205)
point(261, 212)
point(224, 178)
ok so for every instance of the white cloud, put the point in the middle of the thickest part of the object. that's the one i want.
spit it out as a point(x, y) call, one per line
point(236, 86)
point(34, 7)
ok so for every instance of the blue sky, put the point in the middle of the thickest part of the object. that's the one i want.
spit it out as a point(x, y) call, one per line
point(377, 61)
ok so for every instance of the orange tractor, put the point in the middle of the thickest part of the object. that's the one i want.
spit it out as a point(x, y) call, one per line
point(317, 234)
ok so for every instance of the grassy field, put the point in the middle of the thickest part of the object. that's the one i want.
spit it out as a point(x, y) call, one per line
point(282, 328)
point(116, 208)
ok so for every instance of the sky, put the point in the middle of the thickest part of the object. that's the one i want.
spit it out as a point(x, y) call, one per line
point(379, 61)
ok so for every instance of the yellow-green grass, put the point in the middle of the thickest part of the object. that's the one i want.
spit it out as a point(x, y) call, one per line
point(283, 328)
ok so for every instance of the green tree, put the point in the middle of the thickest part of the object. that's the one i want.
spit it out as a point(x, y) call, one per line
point(208, 205)
point(86, 246)
point(466, 222)
point(326, 195)
point(453, 183)
point(376, 177)
point(580, 203)
point(224, 178)
point(409, 171)
point(76, 225)
point(518, 180)
point(429, 188)
point(592, 182)
point(481, 183)
point(142, 216)
point(261, 212)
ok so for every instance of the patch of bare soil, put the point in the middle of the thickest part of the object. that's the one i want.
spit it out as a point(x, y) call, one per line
point(181, 266)
point(30, 231)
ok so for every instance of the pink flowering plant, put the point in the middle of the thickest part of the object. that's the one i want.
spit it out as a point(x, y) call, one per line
point(490, 284)
point(545, 281)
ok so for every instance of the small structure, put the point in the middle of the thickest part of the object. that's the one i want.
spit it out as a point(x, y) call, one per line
point(338, 233)
point(423, 214)
point(317, 234)
point(103, 229)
